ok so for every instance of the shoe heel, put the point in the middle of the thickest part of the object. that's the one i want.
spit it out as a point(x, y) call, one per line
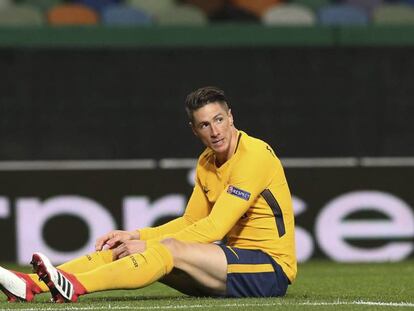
point(40, 269)
point(37, 268)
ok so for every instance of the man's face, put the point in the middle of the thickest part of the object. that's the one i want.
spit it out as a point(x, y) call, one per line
point(213, 124)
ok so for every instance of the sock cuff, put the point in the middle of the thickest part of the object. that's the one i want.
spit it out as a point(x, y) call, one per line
point(164, 254)
point(78, 287)
point(106, 255)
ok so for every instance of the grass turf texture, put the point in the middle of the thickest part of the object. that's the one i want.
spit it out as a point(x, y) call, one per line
point(321, 285)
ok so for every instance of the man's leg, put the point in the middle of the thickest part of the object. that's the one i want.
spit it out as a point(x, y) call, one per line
point(23, 287)
point(199, 269)
point(205, 264)
point(88, 262)
point(82, 264)
point(134, 271)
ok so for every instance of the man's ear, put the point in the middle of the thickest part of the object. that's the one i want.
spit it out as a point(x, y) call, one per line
point(230, 117)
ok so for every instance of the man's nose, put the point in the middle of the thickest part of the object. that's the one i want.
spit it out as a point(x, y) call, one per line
point(214, 130)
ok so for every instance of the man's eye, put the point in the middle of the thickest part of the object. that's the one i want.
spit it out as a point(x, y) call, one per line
point(219, 120)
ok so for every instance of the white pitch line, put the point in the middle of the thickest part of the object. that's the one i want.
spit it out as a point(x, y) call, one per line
point(228, 305)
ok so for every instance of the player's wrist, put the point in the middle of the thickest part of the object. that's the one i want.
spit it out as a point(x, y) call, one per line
point(134, 235)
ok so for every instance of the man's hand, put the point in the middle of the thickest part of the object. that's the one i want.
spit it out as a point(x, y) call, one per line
point(128, 248)
point(115, 238)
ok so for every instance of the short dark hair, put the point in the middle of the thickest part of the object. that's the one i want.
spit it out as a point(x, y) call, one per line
point(203, 96)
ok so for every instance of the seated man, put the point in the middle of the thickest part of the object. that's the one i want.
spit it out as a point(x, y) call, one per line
point(240, 194)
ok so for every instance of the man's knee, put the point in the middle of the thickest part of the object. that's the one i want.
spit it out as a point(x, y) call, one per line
point(175, 247)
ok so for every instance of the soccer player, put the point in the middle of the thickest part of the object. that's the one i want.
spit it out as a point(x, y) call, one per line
point(241, 195)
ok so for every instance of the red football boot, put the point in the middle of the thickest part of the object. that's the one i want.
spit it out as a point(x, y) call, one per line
point(17, 286)
point(63, 286)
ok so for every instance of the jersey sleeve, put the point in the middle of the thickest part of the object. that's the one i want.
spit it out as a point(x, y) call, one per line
point(249, 177)
point(197, 208)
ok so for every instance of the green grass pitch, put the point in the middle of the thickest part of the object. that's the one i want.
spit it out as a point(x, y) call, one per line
point(321, 285)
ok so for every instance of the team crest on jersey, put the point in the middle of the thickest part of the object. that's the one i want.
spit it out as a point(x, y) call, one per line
point(239, 193)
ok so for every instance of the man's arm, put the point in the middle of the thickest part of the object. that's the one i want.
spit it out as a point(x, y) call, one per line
point(197, 208)
point(250, 176)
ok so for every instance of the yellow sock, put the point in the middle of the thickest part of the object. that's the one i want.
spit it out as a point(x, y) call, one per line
point(134, 271)
point(41, 284)
point(79, 265)
point(88, 262)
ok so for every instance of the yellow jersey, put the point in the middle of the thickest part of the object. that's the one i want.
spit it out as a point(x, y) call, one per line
point(245, 201)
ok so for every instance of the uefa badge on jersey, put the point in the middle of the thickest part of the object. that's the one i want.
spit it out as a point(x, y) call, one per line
point(239, 193)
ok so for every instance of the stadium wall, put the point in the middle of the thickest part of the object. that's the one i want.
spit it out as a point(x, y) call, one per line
point(73, 102)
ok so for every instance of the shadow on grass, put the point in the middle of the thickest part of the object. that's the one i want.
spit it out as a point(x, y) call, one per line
point(134, 298)
point(106, 299)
